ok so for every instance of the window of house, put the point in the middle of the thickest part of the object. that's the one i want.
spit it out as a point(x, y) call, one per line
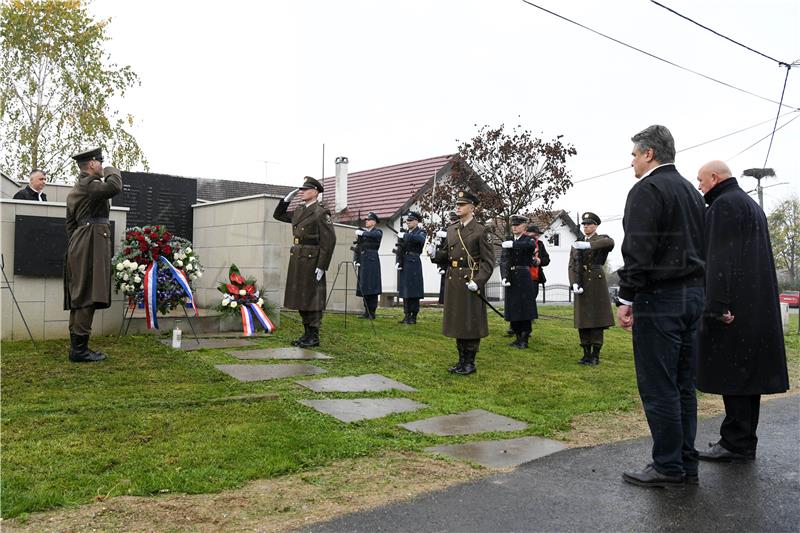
point(554, 239)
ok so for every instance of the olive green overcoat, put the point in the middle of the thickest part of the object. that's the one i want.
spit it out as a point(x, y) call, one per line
point(592, 309)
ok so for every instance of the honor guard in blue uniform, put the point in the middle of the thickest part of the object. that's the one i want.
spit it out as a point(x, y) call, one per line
point(520, 300)
point(592, 307)
point(410, 285)
point(368, 264)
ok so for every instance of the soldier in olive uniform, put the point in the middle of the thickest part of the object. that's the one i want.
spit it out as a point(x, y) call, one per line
point(592, 308)
point(520, 300)
point(368, 264)
point(87, 268)
point(470, 257)
point(310, 256)
point(410, 285)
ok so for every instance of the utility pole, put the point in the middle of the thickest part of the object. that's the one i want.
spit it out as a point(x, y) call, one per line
point(758, 174)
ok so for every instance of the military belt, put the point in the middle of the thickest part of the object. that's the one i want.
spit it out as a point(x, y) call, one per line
point(459, 264)
point(518, 267)
point(94, 220)
point(306, 241)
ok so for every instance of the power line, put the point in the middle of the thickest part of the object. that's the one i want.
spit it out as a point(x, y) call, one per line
point(786, 79)
point(781, 63)
point(764, 137)
point(697, 146)
point(654, 56)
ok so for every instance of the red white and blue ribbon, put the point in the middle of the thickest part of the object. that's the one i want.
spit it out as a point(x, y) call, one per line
point(249, 311)
point(150, 286)
point(180, 277)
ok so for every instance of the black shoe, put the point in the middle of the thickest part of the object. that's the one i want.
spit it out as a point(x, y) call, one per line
point(412, 318)
point(80, 352)
point(302, 338)
point(650, 477)
point(469, 364)
point(717, 453)
point(594, 358)
point(523, 341)
point(691, 479)
point(587, 355)
point(453, 369)
point(405, 318)
point(364, 315)
point(515, 342)
point(312, 340)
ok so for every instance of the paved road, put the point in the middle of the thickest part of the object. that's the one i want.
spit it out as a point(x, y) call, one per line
point(581, 490)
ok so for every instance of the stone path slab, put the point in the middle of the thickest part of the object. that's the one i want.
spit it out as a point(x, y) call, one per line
point(190, 345)
point(363, 383)
point(501, 453)
point(475, 421)
point(265, 372)
point(279, 353)
point(363, 408)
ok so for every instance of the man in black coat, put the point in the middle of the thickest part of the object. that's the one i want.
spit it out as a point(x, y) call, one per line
point(34, 191)
point(661, 296)
point(368, 264)
point(410, 285)
point(742, 354)
point(520, 302)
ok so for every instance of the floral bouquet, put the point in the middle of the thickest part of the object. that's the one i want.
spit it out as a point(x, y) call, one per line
point(145, 246)
point(242, 297)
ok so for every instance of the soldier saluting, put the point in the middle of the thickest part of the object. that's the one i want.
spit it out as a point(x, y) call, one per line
point(410, 285)
point(310, 256)
point(520, 300)
point(368, 264)
point(470, 258)
point(592, 308)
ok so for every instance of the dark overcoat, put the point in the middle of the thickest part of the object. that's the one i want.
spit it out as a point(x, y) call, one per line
point(369, 269)
point(409, 280)
point(29, 194)
point(470, 255)
point(747, 356)
point(592, 309)
point(87, 266)
point(314, 241)
point(544, 260)
point(520, 297)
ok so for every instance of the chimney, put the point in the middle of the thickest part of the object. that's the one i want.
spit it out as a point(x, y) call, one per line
point(341, 184)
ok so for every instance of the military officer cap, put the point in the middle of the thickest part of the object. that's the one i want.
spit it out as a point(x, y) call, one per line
point(88, 155)
point(452, 216)
point(518, 219)
point(413, 215)
point(533, 228)
point(372, 216)
point(466, 197)
point(311, 183)
point(590, 218)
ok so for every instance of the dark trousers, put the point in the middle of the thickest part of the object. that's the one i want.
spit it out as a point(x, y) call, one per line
point(591, 336)
point(411, 305)
point(80, 320)
point(521, 326)
point(470, 345)
point(664, 350)
point(311, 318)
point(738, 430)
point(371, 303)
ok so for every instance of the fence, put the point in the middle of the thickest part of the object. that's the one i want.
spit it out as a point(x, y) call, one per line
point(547, 293)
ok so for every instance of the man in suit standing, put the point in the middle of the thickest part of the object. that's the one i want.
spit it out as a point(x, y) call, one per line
point(661, 300)
point(87, 268)
point(742, 353)
point(34, 190)
point(592, 308)
point(410, 284)
point(470, 255)
point(310, 257)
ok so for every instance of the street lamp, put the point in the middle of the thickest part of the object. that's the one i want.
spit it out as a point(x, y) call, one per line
point(759, 173)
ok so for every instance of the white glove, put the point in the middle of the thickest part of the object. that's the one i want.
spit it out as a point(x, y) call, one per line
point(288, 197)
point(581, 245)
point(356, 264)
point(431, 249)
point(577, 289)
point(397, 266)
point(359, 232)
point(442, 271)
point(401, 234)
point(441, 234)
point(507, 244)
point(472, 286)
point(506, 283)
point(319, 273)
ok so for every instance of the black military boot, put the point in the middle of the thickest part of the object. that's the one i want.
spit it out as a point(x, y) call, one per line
point(302, 338)
point(312, 339)
point(453, 369)
point(80, 352)
point(515, 342)
point(412, 317)
point(523, 340)
point(469, 364)
point(587, 354)
point(406, 317)
point(594, 359)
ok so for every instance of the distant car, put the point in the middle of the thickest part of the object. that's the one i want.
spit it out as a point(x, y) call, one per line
point(790, 297)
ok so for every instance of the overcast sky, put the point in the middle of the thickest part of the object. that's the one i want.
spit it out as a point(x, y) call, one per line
point(226, 86)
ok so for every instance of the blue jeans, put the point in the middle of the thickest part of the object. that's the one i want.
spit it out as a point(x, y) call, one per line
point(665, 326)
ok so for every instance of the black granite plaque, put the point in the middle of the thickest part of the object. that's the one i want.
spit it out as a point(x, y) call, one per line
point(40, 244)
point(159, 199)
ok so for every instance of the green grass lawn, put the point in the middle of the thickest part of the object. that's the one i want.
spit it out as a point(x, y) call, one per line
point(143, 422)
